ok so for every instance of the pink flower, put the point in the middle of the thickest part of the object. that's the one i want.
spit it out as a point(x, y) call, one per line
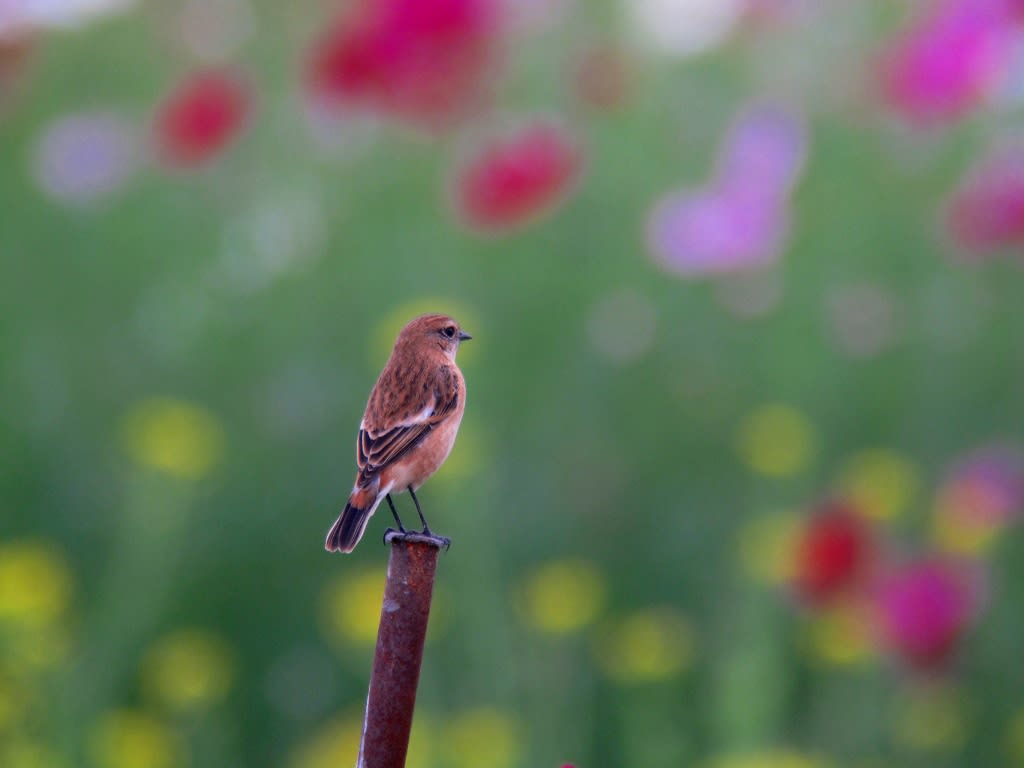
point(987, 211)
point(424, 62)
point(949, 60)
point(514, 178)
point(833, 554)
point(924, 607)
point(986, 488)
point(201, 118)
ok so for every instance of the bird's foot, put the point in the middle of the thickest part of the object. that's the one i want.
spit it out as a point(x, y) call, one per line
point(420, 537)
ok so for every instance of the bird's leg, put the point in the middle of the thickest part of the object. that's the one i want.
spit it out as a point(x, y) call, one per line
point(426, 528)
point(394, 512)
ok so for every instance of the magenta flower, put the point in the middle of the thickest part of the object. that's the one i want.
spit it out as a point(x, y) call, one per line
point(423, 62)
point(201, 118)
point(513, 178)
point(949, 60)
point(987, 211)
point(924, 607)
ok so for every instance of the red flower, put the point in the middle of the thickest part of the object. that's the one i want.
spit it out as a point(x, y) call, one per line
point(425, 61)
point(514, 178)
point(201, 118)
point(833, 554)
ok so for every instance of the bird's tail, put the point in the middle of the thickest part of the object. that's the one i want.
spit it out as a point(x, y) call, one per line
point(348, 528)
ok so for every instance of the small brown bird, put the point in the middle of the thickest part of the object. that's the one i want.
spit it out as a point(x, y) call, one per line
point(409, 426)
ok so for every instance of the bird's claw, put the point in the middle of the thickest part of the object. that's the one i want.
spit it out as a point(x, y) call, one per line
point(423, 537)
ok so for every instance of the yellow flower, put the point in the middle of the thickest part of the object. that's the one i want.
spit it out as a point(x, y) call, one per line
point(766, 547)
point(1015, 738)
point(880, 482)
point(776, 440)
point(648, 646)
point(482, 736)
point(175, 437)
point(336, 743)
point(350, 607)
point(35, 583)
point(27, 754)
point(188, 670)
point(779, 758)
point(384, 335)
point(131, 739)
point(840, 635)
point(932, 719)
point(562, 596)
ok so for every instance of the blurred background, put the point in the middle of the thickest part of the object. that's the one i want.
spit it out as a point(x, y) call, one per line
point(740, 473)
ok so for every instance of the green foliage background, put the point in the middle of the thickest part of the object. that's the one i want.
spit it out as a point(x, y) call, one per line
point(632, 468)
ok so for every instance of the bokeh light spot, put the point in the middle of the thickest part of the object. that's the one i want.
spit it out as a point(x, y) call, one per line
point(133, 739)
point(682, 27)
point(469, 455)
point(932, 718)
point(483, 731)
point(841, 635)
point(621, 326)
point(87, 156)
point(350, 607)
point(188, 670)
point(766, 545)
point(563, 596)
point(173, 436)
point(776, 758)
point(333, 744)
point(36, 583)
point(880, 483)
point(651, 645)
point(776, 440)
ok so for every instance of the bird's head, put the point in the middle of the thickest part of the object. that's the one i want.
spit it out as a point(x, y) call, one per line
point(431, 330)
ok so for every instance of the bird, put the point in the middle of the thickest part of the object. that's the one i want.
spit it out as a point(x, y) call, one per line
point(409, 427)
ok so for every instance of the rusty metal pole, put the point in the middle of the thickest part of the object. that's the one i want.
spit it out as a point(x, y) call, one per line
point(396, 662)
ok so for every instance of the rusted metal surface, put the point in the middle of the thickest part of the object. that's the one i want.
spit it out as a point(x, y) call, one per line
point(396, 663)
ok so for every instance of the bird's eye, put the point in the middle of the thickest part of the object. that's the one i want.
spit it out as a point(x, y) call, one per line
point(449, 331)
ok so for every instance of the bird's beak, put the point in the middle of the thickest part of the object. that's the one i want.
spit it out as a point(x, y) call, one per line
point(463, 336)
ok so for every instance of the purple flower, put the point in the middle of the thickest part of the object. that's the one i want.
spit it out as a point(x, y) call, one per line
point(739, 220)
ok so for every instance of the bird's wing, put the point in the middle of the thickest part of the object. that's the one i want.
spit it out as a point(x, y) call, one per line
point(391, 434)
